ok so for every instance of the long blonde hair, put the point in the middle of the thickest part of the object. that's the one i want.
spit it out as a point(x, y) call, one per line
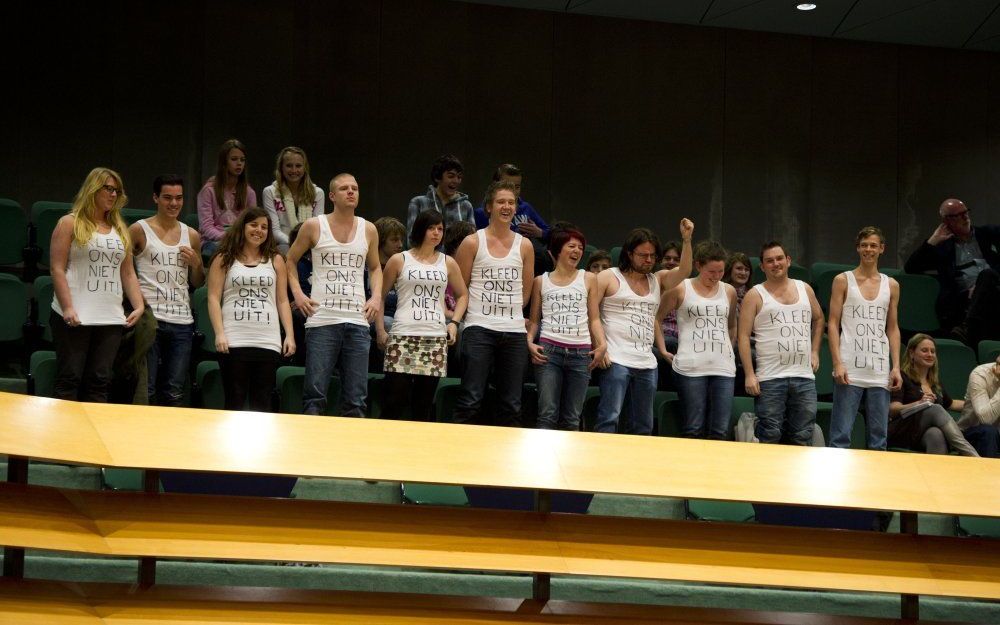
point(907, 366)
point(306, 193)
point(84, 207)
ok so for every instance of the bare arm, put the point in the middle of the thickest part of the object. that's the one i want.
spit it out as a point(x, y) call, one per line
point(534, 321)
point(461, 295)
point(599, 343)
point(131, 285)
point(284, 311)
point(671, 300)
point(817, 326)
point(373, 307)
point(138, 236)
point(216, 281)
point(748, 312)
point(528, 262)
point(196, 266)
point(62, 239)
point(389, 275)
point(466, 255)
point(837, 295)
point(892, 330)
point(308, 235)
point(731, 291)
point(669, 278)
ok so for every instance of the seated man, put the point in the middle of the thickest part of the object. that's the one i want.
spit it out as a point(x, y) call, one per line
point(966, 260)
point(981, 412)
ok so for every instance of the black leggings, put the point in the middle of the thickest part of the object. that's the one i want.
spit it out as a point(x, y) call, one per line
point(84, 359)
point(404, 389)
point(248, 375)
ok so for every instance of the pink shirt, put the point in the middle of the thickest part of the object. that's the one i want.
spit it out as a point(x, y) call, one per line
point(212, 220)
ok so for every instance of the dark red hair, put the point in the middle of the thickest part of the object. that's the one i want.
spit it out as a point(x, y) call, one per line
point(561, 236)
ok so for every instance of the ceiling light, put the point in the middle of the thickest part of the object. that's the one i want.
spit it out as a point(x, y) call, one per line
point(806, 6)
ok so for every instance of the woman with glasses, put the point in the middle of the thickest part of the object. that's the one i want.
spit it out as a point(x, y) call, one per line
point(225, 195)
point(91, 264)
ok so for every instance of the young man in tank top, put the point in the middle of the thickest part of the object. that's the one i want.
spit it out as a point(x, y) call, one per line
point(498, 266)
point(337, 313)
point(786, 320)
point(630, 297)
point(864, 344)
point(168, 263)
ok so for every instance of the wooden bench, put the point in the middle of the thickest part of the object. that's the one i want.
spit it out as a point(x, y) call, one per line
point(541, 543)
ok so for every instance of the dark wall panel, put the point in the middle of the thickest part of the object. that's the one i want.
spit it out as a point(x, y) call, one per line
point(853, 147)
point(765, 179)
point(637, 125)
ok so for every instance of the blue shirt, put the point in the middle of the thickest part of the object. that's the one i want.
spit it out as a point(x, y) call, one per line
point(525, 212)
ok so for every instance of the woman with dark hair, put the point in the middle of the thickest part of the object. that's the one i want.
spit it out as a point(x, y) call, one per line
point(918, 412)
point(416, 353)
point(225, 195)
point(247, 300)
point(738, 272)
point(91, 261)
point(566, 305)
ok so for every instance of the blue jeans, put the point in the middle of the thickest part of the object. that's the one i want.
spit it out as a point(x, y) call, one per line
point(786, 411)
point(168, 361)
point(562, 387)
point(640, 384)
point(506, 354)
point(706, 403)
point(846, 402)
point(341, 345)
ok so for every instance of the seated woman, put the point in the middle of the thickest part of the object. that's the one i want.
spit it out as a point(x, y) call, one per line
point(248, 306)
point(225, 195)
point(599, 261)
point(292, 198)
point(918, 413)
point(738, 272)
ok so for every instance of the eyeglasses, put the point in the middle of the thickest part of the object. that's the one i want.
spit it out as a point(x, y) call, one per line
point(958, 216)
point(651, 256)
point(111, 190)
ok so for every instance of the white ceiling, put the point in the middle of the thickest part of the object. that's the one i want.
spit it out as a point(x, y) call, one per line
point(969, 24)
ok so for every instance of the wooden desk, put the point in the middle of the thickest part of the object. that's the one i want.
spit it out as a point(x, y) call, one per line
point(241, 442)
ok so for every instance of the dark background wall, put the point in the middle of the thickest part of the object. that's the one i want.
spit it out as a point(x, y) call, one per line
point(617, 123)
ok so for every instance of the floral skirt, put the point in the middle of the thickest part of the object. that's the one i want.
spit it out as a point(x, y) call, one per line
point(417, 355)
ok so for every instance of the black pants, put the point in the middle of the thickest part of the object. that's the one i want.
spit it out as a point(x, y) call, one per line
point(248, 375)
point(84, 358)
point(983, 320)
point(506, 354)
point(404, 389)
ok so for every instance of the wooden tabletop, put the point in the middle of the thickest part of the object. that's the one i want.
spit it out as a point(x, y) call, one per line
point(246, 442)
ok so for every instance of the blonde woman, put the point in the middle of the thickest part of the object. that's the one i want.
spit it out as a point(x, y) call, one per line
point(91, 262)
point(292, 198)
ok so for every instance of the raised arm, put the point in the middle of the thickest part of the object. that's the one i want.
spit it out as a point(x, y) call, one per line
point(669, 278)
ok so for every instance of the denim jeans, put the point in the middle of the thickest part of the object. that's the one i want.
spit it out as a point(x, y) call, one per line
point(786, 411)
point(846, 401)
point(706, 403)
point(167, 363)
point(344, 346)
point(562, 387)
point(506, 354)
point(640, 385)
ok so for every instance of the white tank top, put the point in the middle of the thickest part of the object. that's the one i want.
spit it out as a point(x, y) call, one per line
point(564, 311)
point(628, 323)
point(95, 280)
point(703, 343)
point(163, 276)
point(496, 300)
point(420, 297)
point(783, 334)
point(864, 345)
point(249, 306)
point(338, 282)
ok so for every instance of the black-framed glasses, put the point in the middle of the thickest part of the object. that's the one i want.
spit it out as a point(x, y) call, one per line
point(110, 189)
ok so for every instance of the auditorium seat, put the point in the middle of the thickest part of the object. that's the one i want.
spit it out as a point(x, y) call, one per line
point(956, 360)
point(209, 381)
point(203, 324)
point(988, 527)
point(667, 414)
point(588, 251)
point(988, 351)
point(821, 267)
point(13, 307)
point(44, 293)
point(14, 234)
point(858, 435)
point(132, 215)
point(44, 216)
point(917, 297)
point(289, 382)
point(42, 374)
point(724, 511)
point(444, 399)
point(823, 285)
point(191, 219)
point(824, 375)
point(374, 399)
point(616, 253)
point(434, 494)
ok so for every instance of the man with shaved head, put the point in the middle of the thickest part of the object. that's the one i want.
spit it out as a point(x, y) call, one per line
point(966, 260)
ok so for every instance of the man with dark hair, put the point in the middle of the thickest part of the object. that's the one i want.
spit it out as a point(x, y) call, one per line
point(497, 265)
point(784, 317)
point(443, 195)
point(527, 221)
point(967, 262)
point(630, 296)
point(167, 260)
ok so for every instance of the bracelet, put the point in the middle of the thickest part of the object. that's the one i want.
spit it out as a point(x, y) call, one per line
point(453, 321)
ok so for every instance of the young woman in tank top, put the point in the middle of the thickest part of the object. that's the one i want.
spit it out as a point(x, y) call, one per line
point(705, 364)
point(566, 304)
point(248, 306)
point(416, 352)
point(91, 264)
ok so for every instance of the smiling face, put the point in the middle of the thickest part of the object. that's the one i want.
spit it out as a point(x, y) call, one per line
point(870, 248)
point(711, 273)
point(774, 262)
point(170, 201)
point(740, 274)
point(924, 354)
point(503, 207)
point(293, 168)
point(450, 183)
point(570, 254)
point(106, 196)
point(671, 259)
point(255, 231)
